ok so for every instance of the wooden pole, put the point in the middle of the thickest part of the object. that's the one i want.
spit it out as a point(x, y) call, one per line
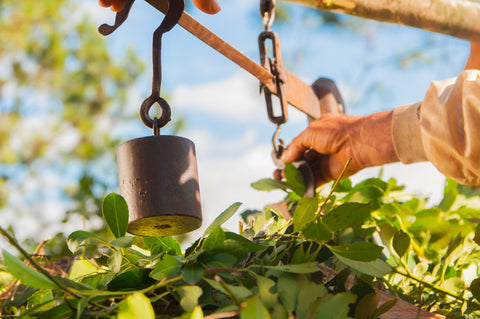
point(458, 18)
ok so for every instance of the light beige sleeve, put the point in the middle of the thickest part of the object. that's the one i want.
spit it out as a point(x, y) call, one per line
point(443, 129)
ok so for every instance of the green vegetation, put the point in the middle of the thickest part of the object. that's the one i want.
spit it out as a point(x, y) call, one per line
point(333, 257)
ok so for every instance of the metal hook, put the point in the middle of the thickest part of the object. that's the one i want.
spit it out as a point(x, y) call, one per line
point(175, 11)
point(267, 12)
point(106, 29)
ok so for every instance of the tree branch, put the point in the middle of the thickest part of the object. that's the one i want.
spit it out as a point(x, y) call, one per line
point(458, 18)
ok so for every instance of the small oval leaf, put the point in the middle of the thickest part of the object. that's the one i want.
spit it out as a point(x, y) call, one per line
point(401, 243)
point(115, 213)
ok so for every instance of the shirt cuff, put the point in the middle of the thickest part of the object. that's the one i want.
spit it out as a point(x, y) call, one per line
point(407, 135)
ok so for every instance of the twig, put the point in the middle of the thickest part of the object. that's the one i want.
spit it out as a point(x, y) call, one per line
point(229, 314)
point(433, 287)
point(334, 186)
point(15, 244)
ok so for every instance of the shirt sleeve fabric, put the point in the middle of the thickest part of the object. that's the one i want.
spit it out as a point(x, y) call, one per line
point(443, 129)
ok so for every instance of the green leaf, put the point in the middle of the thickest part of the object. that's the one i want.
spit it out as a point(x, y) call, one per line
point(115, 213)
point(59, 312)
point(221, 261)
point(196, 313)
point(475, 288)
point(401, 243)
point(214, 240)
point(310, 292)
point(269, 184)
point(41, 299)
point(75, 240)
point(115, 261)
point(82, 268)
point(367, 306)
point(449, 195)
point(304, 213)
point(222, 218)
point(289, 286)
point(82, 305)
point(136, 278)
point(267, 291)
point(247, 244)
point(25, 274)
point(122, 242)
point(335, 306)
point(377, 268)
point(135, 306)
point(317, 232)
point(192, 273)
point(168, 266)
point(294, 179)
point(454, 243)
point(346, 215)
point(239, 292)
point(189, 297)
point(280, 312)
point(384, 308)
point(306, 268)
point(344, 186)
point(254, 309)
point(362, 251)
point(454, 284)
point(168, 245)
point(476, 239)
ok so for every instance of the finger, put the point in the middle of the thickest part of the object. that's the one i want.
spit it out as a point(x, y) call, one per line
point(293, 152)
point(207, 6)
point(118, 5)
point(105, 3)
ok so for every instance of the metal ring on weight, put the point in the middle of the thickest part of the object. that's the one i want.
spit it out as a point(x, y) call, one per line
point(147, 105)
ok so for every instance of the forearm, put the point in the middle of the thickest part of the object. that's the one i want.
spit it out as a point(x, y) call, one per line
point(444, 128)
point(473, 61)
point(375, 145)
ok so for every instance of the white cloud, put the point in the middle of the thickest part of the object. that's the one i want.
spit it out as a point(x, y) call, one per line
point(235, 98)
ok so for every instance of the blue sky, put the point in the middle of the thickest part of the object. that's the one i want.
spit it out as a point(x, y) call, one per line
point(225, 115)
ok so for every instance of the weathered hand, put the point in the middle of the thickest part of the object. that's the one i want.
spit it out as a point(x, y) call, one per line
point(115, 5)
point(334, 138)
point(207, 6)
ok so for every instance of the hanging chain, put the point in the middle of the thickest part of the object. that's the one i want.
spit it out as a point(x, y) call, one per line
point(274, 66)
point(175, 11)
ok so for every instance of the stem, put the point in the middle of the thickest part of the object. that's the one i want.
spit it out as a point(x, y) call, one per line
point(334, 186)
point(432, 286)
point(14, 243)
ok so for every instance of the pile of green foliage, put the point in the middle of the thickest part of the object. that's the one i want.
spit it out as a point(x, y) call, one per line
point(330, 260)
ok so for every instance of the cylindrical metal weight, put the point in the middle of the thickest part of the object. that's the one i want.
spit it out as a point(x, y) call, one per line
point(158, 178)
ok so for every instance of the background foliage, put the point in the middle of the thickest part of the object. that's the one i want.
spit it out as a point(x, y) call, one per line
point(333, 257)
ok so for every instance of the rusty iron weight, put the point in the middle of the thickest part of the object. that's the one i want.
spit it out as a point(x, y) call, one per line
point(158, 178)
point(158, 175)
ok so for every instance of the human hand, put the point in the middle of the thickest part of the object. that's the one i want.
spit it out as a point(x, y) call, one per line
point(473, 61)
point(115, 5)
point(334, 138)
point(207, 6)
